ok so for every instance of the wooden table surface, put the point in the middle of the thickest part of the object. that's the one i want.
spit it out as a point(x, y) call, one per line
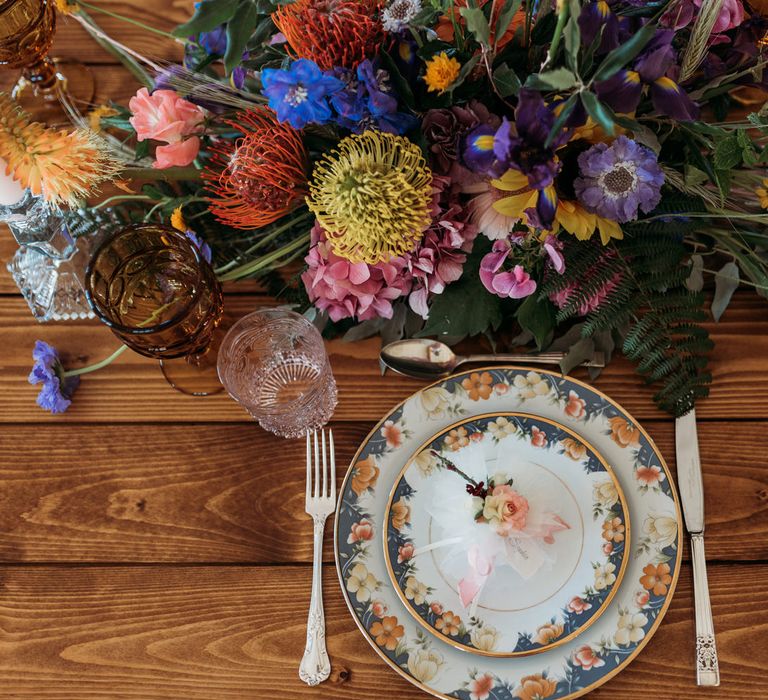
point(154, 546)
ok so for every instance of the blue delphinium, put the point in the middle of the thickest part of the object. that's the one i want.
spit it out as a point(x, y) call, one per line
point(57, 388)
point(367, 101)
point(300, 94)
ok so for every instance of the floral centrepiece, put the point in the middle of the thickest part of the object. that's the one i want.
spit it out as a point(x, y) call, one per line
point(564, 169)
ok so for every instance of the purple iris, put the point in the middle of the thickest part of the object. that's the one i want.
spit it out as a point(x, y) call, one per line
point(520, 147)
point(623, 90)
point(300, 94)
point(56, 391)
point(618, 180)
point(367, 100)
point(594, 17)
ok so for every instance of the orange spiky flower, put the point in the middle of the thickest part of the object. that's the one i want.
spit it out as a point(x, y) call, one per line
point(64, 167)
point(332, 32)
point(260, 177)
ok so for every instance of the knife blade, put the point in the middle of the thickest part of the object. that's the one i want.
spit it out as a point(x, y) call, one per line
point(691, 486)
point(689, 478)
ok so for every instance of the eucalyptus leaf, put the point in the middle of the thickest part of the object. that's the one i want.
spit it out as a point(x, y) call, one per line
point(557, 79)
point(506, 81)
point(623, 54)
point(597, 111)
point(209, 15)
point(726, 283)
point(477, 23)
point(581, 351)
point(695, 281)
point(239, 30)
point(572, 37)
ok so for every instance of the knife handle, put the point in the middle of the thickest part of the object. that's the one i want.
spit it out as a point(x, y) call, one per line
point(707, 670)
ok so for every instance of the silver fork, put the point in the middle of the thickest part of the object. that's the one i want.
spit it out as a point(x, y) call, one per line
point(315, 666)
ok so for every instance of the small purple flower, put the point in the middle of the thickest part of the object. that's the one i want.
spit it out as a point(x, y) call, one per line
point(515, 283)
point(56, 391)
point(300, 94)
point(619, 179)
point(200, 244)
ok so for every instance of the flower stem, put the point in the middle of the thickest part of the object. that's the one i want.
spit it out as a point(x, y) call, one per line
point(452, 467)
point(122, 198)
point(129, 20)
point(98, 365)
point(562, 17)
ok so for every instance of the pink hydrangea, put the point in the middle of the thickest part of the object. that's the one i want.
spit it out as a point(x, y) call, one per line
point(515, 283)
point(439, 257)
point(352, 290)
point(164, 116)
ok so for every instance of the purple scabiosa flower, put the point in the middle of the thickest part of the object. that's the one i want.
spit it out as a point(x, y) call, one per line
point(618, 180)
point(514, 284)
point(300, 94)
point(56, 390)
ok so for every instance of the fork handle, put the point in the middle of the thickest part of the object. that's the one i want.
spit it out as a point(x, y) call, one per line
point(315, 666)
point(707, 669)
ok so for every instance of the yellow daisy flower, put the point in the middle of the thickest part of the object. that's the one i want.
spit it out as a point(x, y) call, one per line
point(177, 220)
point(762, 194)
point(442, 71)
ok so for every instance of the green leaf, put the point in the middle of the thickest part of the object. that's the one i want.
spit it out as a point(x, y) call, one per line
point(506, 81)
point(597, 111)
point(694, 176)
point(451, 315)
point(142, 149)
point(728, 153)
point(622, 55)
point(558, 79)
point(726, 283)
point(466, 69)
point(402, 86)
point(572, 37)
point(239, 31)
point(477, 23)
point(209, 15)
point(505, 17)
point(559, 123)
point(538, 316)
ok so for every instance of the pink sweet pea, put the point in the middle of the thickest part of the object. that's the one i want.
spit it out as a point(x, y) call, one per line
point(164, 116)
point(514, 284)
point(681, 14)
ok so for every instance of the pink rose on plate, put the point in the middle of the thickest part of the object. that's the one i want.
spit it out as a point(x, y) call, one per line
point(538, 437)
point(436, 608)
point(378, 608)
point(360, 532)
point(586, 658)
point(578, 605)
point(505, 509)
point(164, 116)
point(642, 598)
point(575, 407)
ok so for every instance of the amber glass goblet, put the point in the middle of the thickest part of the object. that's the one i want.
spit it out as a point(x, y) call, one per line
point(50, 90)
point(152, 287)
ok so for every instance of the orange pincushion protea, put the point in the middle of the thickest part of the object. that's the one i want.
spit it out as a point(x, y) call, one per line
point(332, 32)
point(261, 176)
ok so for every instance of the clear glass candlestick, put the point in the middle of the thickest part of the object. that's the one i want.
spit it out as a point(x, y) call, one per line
point(273, 363)
point(49, 265)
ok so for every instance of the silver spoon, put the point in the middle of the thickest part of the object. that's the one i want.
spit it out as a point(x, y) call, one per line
point(430, 359)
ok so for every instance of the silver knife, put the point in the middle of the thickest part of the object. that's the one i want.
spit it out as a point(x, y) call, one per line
point(691, 488)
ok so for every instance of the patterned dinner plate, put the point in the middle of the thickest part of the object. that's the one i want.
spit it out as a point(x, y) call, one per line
point(571, 669)
point(498, 538)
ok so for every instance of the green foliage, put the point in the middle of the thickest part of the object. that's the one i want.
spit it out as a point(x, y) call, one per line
point(643, 280)
point(537, 315)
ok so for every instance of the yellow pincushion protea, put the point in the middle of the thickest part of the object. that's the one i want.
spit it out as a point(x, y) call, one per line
point(63, 167)
point(372, 196)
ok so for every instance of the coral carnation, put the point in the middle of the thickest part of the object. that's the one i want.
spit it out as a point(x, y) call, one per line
point(261, 176)
point(332, 33)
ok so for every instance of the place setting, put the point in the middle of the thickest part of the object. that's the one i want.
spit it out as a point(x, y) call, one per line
point(305, 203)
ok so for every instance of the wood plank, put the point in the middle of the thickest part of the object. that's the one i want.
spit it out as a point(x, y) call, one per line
point(230, 493)
point(133, 390)
point(171, 632)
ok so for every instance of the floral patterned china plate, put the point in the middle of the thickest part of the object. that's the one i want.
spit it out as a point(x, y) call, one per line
point(580, 664)
point(505, 535)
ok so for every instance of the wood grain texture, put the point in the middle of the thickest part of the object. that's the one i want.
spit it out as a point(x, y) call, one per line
point(163, 633)
point(133, 389)
point(234, 493)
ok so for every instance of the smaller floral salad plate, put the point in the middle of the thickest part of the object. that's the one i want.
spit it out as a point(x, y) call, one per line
point(497, 538)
